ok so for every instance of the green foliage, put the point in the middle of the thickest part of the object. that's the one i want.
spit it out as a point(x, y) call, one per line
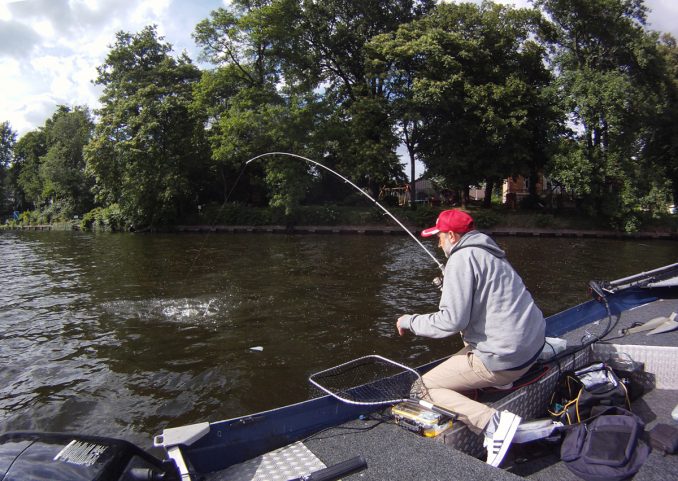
point(544, 220)
point(610, 76)
point(49, 168)
point(485, 219)
point(366, 143)
point(105, 219)
point(27, 156)
point(147, 150)
point(7, 142)
point(580, 91)
point(62, 168)
point(661, 133)
point(31, 217)
point(232, 213)
point(349, 127)
point(60, 211)
point(631, 224)
point(248, 113)
point(423, 216)
point(470, 77)
point(330, 214)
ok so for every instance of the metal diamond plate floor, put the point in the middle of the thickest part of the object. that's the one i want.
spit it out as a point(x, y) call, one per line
point(288, 462)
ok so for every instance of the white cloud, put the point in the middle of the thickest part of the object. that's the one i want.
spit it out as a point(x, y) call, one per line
point(4, 12)
point(663, 16)
point(16, 40)
point(150, 9)
point(49, 49)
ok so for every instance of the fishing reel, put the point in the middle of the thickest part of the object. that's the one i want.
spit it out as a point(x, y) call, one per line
point(438, 282)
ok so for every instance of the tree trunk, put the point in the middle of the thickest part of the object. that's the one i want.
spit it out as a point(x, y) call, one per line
point(534, 177)
point(410, 151)
point(489, 187)
point(465, 197)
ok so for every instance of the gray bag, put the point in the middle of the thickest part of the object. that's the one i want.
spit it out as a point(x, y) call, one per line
point(605, 448)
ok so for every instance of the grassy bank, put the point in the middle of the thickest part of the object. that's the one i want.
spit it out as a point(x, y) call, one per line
point(422, 216)
point(498, 217)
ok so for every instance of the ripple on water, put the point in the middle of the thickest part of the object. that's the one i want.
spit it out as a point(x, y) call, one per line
point(124, 335)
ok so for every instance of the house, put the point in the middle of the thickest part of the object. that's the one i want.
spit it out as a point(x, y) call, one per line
point(425, 190)
point(514, 189)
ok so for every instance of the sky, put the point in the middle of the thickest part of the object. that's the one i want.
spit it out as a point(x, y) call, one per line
point(50, 49)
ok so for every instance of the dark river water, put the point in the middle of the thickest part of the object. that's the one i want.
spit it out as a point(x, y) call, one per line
point(122, 335)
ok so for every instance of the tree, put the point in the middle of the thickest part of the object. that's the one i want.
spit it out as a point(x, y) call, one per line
point(28, 152)
point(608, 68)
point(248, 106)
point(662, 132)
point(147, 152)
point(49, 164)
point(7, 142)
point(62, 167)
point(468, 78)
point(332, 35)
point(307, 59)
point(399, 73)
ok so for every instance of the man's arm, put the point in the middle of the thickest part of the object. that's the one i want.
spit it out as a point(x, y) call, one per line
point(456, 301)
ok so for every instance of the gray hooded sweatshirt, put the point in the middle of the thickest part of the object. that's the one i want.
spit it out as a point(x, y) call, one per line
point(485, 300)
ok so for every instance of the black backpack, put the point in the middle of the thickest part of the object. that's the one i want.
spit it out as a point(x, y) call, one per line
point(607, 447)
point(578, 392)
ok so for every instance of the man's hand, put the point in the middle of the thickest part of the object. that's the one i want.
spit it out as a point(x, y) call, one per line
point(401, 330)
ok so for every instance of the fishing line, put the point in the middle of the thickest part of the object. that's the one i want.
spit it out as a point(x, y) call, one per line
point(318, 164)
point(440, 266)
point(213, 224)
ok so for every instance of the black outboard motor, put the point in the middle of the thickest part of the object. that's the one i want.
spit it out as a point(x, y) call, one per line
point(68, 457)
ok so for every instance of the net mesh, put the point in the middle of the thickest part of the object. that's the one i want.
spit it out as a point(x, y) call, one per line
point(370, 380)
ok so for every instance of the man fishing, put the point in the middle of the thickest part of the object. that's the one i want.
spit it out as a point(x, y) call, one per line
point(486, 301)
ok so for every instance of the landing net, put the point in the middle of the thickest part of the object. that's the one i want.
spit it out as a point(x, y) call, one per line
point(370, 380)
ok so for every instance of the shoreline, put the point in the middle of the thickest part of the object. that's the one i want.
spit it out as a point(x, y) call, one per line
point(392, 230)
point(501, 231)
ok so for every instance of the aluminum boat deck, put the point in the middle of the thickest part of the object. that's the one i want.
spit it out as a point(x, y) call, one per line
point(394, 454)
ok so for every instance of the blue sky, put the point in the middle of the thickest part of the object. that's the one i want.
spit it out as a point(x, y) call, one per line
point(49, 49)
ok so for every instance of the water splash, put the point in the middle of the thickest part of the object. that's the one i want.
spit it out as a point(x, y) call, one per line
point(193, 311)
point(188, 309)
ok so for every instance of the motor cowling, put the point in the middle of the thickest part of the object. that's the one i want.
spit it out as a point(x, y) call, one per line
point(67, 457)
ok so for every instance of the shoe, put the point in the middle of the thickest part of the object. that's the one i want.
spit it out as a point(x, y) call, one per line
point(503, 387)
point(498, 441)
point(537, 429)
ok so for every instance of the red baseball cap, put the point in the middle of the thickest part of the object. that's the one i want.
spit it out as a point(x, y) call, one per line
point(452, 220)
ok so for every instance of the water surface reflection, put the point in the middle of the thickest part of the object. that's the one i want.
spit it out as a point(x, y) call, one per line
point(123, 334)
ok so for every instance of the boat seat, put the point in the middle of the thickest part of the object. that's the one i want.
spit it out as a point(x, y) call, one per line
point(528, 399)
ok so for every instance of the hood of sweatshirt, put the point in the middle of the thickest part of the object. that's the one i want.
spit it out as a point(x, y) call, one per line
point(478, 239)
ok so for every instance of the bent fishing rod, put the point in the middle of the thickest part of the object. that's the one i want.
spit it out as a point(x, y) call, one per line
point(267, 154)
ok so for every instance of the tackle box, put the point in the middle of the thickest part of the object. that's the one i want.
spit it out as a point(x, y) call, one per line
point(415, 417)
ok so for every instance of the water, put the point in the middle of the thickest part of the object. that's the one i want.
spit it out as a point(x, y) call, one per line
point(122, 335)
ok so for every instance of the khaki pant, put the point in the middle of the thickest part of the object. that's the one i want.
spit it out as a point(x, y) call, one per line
point(465, 372)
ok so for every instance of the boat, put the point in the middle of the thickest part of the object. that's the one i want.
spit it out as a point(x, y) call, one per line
point(630, 320)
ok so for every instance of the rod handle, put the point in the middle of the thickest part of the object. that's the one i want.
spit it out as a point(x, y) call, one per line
point(337, 471)
point(452, 415)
